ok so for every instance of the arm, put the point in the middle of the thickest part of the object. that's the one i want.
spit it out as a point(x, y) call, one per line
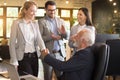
point(12, 45)
point(77, 62)
point(62, 29)
point(39, 39)
point(45, 32)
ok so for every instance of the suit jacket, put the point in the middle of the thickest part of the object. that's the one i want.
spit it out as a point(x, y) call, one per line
point(17, 40)
point(45, 30)
point(78, 67)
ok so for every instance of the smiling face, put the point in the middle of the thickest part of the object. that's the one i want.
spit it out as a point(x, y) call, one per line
point(81, 17)
point(30, 12)
point(50, 11)
point(78, 39)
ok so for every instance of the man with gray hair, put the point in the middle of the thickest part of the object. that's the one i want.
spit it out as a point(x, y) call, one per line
point(80, 65)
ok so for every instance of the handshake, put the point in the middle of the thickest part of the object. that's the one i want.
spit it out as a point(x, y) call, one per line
point(44, 53)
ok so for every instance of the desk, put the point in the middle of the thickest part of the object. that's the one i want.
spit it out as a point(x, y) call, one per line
point(3, 73)
point(3, 78)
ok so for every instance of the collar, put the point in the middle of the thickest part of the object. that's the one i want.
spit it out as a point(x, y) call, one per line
point(83, 25)
point(82, 48)
point(79, 49)
point(26, 21)
point(50, 19)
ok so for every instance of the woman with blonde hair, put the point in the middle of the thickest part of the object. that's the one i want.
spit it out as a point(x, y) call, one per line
point(26, 40)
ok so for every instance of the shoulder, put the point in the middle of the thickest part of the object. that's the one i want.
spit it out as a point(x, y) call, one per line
point(75, 26)
point(59, 19)
point(16, 22)
point(91, 27)
point(88, 49)
point(41, 19)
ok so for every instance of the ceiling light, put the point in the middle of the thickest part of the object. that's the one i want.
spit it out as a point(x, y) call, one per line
point(114, 4)
point(5, 4)
point(110, 0)
point(67, 1)
point(115, 11)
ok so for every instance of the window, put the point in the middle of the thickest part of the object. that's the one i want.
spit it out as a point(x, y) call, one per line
point(12, 11)
point(75, 13)
point(40, 13)
point(1, 11)
point(65, 13)
point(1, 27)
point(8, 14)
point(12, 14)
point(9, 23)
point(1, 22)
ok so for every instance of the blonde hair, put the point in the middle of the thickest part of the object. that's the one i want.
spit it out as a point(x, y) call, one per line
point(26, 6)
point(4, 42)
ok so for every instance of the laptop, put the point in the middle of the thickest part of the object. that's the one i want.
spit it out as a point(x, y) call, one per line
point(13, 73)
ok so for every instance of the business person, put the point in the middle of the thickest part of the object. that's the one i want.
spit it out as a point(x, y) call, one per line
point(53, 31)
point(80, 65)
point(25, 39)
point(83, 22)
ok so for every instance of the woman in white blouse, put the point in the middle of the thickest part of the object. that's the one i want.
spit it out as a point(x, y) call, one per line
point(83, 22)
point(25, 40)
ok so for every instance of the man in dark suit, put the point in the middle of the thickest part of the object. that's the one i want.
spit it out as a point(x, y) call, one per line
point(80, 65)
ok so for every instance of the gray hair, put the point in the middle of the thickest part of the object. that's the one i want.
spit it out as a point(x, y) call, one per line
point(88, 36)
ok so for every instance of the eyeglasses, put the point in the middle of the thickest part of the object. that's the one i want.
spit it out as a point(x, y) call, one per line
point(51, 10)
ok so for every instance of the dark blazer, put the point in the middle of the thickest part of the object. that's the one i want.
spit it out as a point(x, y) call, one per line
point(78, 67)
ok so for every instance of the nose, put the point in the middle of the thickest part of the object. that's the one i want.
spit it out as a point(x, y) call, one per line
point(34, 13)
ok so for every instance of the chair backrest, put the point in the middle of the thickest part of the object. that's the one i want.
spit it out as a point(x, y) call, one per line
point(12, 71)
point(4, 52)
point(101, 55)
point(102, 38)
point(114, 59)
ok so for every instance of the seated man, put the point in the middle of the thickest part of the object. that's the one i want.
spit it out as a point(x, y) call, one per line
point(80, 65)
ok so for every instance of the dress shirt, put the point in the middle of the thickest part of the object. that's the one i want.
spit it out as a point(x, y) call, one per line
point(81, 27)
point(54, 30)
point(27, 30)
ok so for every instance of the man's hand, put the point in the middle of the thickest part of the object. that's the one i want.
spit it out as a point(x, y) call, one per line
point(62, 30)
point(55, 37)
point(44, 53)
point(72, 38)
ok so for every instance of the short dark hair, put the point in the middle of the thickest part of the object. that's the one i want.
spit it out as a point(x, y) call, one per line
point(49, 3)
point(85, 11)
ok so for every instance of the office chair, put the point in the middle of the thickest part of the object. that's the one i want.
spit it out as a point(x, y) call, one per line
point(102, 38)
point(114, 58)
point(4, 52)
point(101, 55)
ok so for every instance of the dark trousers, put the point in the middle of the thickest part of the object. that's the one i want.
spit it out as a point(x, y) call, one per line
point(29, 64)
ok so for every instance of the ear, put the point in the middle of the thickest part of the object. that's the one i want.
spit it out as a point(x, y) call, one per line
point(45, 9)
point(24, 10)
point(84, 41)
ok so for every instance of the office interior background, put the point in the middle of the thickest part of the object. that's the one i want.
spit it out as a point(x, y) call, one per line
point(105, 14)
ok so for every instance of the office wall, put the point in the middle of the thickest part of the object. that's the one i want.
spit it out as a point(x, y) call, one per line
point(102, 16)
